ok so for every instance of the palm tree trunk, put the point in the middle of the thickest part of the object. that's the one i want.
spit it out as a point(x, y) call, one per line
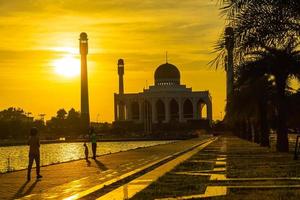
point(282, 136)
point(244, 129)
point(264, 141)
point(241, 130)
point(256, 134)
point(249, 133)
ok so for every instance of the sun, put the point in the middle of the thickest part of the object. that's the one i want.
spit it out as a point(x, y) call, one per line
point(67, 66)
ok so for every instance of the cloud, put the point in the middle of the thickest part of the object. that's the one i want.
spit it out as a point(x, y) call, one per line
point(89, 6)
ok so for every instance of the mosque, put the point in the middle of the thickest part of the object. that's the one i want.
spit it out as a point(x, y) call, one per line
point(165, 102)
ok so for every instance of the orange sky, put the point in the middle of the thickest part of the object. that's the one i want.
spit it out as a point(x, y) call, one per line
point(36, 33)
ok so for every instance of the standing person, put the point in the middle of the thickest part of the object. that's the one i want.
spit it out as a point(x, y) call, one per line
point(34, 153)
point(94, 143)
point(86, 151)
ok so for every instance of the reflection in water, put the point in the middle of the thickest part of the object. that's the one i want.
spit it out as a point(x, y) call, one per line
point(16, 157)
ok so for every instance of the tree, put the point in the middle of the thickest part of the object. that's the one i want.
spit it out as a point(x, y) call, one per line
point(14, 123)
point(257, 23)
point(293, 99)
point(73, 114)
point(281, 64)
point(65, 123)
point(73, 121)
point(267, 33)
point(61, 114)
point(254, 96)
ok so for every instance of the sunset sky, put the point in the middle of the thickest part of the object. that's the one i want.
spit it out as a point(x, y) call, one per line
point(39, 39)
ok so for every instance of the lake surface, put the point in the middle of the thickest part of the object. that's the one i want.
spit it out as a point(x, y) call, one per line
point(16, 157)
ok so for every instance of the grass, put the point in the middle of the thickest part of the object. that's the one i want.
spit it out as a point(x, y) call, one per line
point(278, 194)
point(255, 161)
point(244, 160)
point(172, 185)
point(193, 166)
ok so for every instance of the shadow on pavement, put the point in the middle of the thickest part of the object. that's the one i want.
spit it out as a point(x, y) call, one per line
point(29, 190)
point(21, 192)
point(101, 165)
point(88, 162)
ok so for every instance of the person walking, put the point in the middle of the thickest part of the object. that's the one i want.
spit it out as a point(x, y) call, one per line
point(34, 153)
point(86, 151)
point(94, 143)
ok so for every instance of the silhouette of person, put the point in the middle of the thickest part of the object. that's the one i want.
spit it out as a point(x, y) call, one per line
point(94, 143)
point(34, 153)
point(86, 151)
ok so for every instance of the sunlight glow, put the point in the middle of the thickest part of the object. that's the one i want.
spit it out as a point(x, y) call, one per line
point(71, 50)
point(67, 66)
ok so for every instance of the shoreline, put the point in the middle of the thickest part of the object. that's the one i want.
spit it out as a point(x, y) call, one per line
point(90, 157)
point(22, 143)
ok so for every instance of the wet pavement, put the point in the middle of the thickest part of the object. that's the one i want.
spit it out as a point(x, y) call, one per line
point(216, 168)
point(72, 179)
point(130, 189)
point(230, 168)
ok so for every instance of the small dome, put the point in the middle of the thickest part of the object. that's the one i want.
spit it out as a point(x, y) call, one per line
point(167, 74)
point(120, 62)
point(83, 36)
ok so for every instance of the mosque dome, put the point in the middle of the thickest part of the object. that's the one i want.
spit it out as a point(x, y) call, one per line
point(167, 74)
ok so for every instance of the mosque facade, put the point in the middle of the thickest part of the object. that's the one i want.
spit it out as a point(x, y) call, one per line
point(164, 102)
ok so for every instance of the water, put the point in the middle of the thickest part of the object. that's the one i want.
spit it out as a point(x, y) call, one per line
point(16, 157)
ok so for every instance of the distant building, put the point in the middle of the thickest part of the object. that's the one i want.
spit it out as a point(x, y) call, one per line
point(166, 101)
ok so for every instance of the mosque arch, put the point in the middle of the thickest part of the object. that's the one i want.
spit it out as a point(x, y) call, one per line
point(135, 110)
point(147, 116)
point(147, 107)
point(121, 110)
point(187, 109)
point(202, 109)
point(160, 110)
point(174, 110)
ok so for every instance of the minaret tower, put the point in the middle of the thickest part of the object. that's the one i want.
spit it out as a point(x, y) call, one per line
point(85, 113)
point(229, 44)
point(121, 88)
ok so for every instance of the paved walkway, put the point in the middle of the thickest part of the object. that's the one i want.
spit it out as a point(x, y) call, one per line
point(230, 168)
point(227, 168)
point(128, 190)
point(64, 180)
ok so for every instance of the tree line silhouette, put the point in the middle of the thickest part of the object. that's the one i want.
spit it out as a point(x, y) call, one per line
point(266, 60)
point(15, 124)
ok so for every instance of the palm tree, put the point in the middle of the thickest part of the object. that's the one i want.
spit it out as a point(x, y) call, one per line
point(231, 7)
point(257, 23)
point(267, 34)
point(249, 108)
point(257, 90)
point(282, 64)
point(294, 110)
